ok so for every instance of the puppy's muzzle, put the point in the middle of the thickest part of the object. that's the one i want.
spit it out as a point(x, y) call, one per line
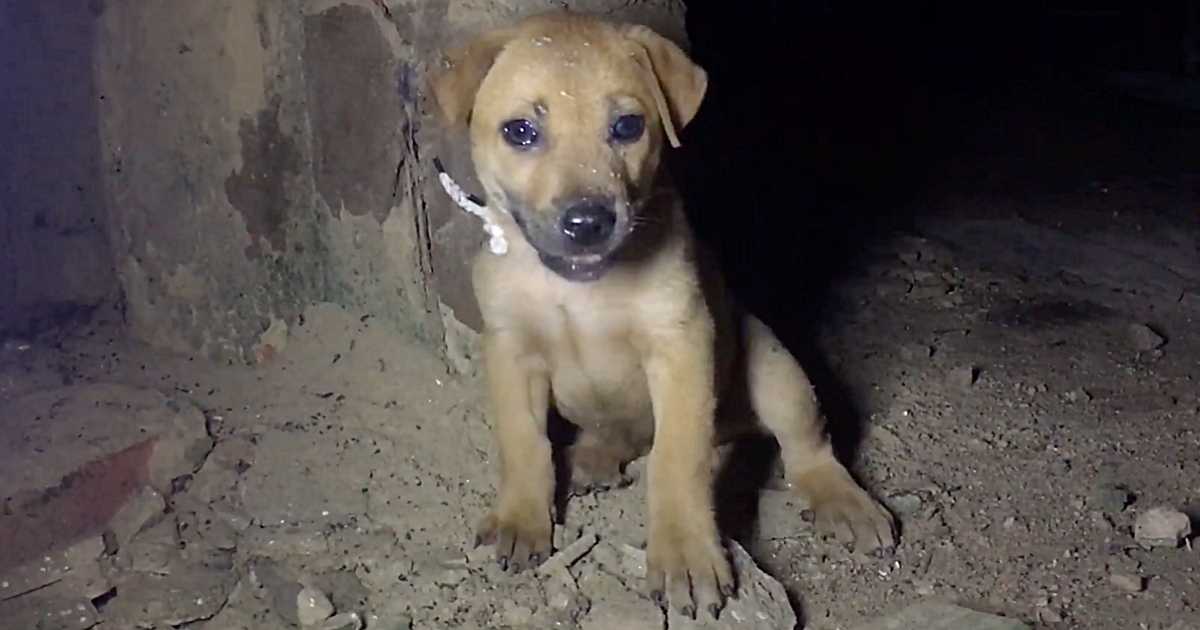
point(589, 222)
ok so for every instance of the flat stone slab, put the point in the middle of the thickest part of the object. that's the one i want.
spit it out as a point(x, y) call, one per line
point(72, 458)
point(940, 616)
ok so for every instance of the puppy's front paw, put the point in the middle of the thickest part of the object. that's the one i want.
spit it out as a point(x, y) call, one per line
point(844, 510)
point(686, 570)
point(522, 538)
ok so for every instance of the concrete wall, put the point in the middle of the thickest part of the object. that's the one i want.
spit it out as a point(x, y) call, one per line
point(54, 257)
point(264, 155)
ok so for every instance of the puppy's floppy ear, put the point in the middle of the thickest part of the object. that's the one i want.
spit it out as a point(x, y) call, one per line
point(679, 84)
point(454, 85)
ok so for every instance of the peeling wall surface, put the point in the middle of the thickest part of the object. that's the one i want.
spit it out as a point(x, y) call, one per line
point(264, 155)
point(54, 256)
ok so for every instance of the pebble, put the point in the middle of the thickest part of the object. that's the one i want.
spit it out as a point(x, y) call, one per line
point(905, 503)
point(1112, 497)
point(1161, 526)
point(1144, 338)
point(915, 351)
point(963, 377)
point(1128, 583)
point(312, 607)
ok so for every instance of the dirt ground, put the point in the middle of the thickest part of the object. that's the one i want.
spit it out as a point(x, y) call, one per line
point(1022, 361)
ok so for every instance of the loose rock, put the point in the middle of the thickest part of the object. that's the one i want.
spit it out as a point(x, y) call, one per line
point(1161, 526)
point(140, 510)
point(1128, 583)
point(1144, 338)
point(312, 607)
point(963, 377)
point(1111, 497)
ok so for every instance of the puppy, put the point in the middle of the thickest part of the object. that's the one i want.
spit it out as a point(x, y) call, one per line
point(605, 307)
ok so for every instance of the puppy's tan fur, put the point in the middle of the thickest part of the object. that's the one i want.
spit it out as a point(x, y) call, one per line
point(636, 358)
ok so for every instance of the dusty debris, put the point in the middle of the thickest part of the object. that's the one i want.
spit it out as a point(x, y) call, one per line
point(1128, 583)
point(189, 593)
point(152, 551)
point(1161, 526)
point(139, 511)
point(76, 565)
point(277, 588)
point(95, 445)
point(905, 503)
point(939, 616)
point(617, 606)
point(568, 556)
point(312, 607)
point(1144, 338)
point(37, 611)
point(277, 542)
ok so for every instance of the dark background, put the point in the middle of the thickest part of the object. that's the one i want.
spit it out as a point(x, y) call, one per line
point(830, 124)
point(827, 122)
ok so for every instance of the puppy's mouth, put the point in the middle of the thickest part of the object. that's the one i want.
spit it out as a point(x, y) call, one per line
point(586, 268)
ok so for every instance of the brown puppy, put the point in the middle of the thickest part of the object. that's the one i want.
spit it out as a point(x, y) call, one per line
point(604, 307)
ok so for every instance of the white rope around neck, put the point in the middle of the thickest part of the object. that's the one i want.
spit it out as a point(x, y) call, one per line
point(497, 242)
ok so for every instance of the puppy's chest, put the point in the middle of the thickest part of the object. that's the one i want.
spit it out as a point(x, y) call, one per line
point(596, 371)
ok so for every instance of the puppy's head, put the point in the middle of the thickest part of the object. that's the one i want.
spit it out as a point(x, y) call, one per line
point(567, 117)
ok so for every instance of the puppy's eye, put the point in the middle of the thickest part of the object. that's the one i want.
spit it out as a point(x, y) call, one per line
point(520, 133)
point(628, 128)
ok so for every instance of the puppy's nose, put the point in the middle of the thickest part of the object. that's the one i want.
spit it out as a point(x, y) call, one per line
point(588, 222)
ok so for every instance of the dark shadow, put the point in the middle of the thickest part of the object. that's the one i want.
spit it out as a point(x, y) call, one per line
point(829, 126)
point(54, 254)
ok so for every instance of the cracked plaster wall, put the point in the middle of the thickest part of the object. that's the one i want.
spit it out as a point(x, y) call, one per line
point(261, 156)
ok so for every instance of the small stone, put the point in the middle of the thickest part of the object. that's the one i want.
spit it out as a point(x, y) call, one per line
point(1046, 614)
point(344, 621)
point(915, 352)
point(568, 556)
point(37, 610)
point(1161, 526)
point(312, 607)
point(1111, 497)
point(905, 503)
point(1144, 338)
point(1128, 583)
point(281, 590)
point(963, 377)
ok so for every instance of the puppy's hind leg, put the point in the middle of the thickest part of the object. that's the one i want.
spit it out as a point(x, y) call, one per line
point(786, 405)
point(519, 391)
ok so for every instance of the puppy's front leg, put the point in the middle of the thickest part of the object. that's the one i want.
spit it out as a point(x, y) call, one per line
point(683, 546)
point(519, 387)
